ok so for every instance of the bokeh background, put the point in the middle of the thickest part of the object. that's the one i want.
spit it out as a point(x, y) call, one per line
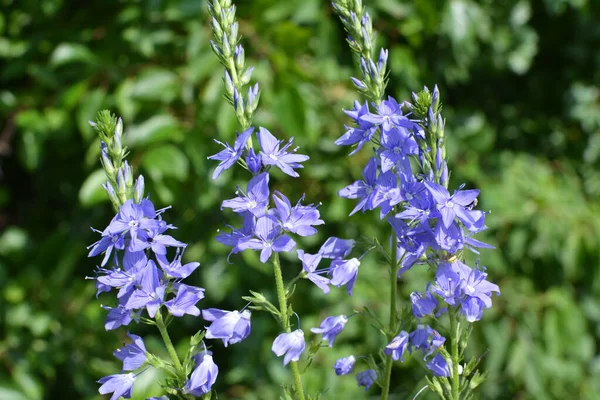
point(520, 83)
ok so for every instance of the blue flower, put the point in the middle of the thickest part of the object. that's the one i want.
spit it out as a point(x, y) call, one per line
point(230, 155)
point(336, 248)
point(175, 269)
point(438, 366)
point(268, 239)
point(291, 344)
point(366, 378)
point(331, 327)
point(255, 200)
point(229, 326)
point(203, 377)
point(120, 385)
point(472, 308)
point(154, 238)
point(423, 305)
point(344, 272)
point(446, 284)
point(426, 339)
point(310, 262)
point(132, 355)
point(361, 134)
point(389, 114)
point(133, 217)
point(345, 365)
point(185, 300)
point(151, 292)
point(453, 206)
point(271, 154)
point(253, 162)
point(397, 347)
point(298, 219)
point(363, 190)
point(117, 316)
point(397, 145)
point(473, 283)
point(106, 245)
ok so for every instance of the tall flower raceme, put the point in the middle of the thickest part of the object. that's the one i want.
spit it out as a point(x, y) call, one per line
point(269, 222)
point(406, 182)
point(142, 262)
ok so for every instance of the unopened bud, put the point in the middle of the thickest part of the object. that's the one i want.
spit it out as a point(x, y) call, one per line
point(107, 164)
point(139, 189)
point(226, 48)
point(228, 83)
point(128, 174)
point(245, 79)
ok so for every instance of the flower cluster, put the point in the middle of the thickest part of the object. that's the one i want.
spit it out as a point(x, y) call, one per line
point(406, 181)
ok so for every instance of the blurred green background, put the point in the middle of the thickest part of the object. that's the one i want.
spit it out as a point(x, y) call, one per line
point(520, 82)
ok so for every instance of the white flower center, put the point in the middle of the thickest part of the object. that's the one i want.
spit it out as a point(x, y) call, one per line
point(397, 150)
point(450, 204)
point(273, 157)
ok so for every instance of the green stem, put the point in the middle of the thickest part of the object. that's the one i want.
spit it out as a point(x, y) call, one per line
point(162, 328)
point(392, 324)
point(285, 321)
point(454, 354)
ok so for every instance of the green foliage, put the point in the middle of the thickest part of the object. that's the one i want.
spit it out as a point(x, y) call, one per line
point(521, 98)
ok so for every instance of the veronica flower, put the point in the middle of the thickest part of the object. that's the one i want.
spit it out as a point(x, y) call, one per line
point(331, 327)
point(106, 245)
point(298, 219)
point(310, 262)
point(131, 218)
point(473, 283)
point(229, 326)
point(361, 134)
point(238, 236)
point(438, 366)
point(344, 272)
point(154, 238)
point(366, 378)
point(387, 193)
point(230, 155)
point(203, 377)
point(132, 355)
point(389, 114)
point(268, 239)
point(472, 308)
point(120, 385)
point(185, 300)
point(397, 347)
point(291, 344)
point(175, 268)
point(254, 200)
point(446, 284)
point(253, 162)
point(425, 339)
point(271, 154)
point(345, 365)
point(363, 190)
point(150, 294)
point(423, 305)
point(452, 206)
point(397, 145)
point(336, 248)
point(117, 316)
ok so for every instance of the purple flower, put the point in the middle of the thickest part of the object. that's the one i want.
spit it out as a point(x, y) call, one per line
point(423, 305)
point(452, 206)
point(473, 283)
point(309, 265)
point(253, 162)
point(298, 219)
point(118, 316)
point(472, 308)
point(229, 326)
point(446, 284)
point(150, 294)
point(131, 218)
point(254, 200)
point(132, 355)
point(238, 236)
point(106, 245)
point(426, 339)
point(357, 135)
point(344, 272)
point(230, 155)
point(331, 327)
point(120, 385)
point(438, 366)
point(389, 114)
point(366, 378)
point(153, 238)
point(203, 377)
point(363, 190)
point(175, 269)
point(336, 248)
point(291, 344)
point(397, 347)
point(387, 193)
point(271, 154)
point(268, 239)
point(397, 145)
point(185, 300)
point(345, 365)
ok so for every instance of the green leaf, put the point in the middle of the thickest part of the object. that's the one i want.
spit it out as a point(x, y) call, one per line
point(66, 53)
point(166, 161)
point(156, 129)
point(92, 192)
point(156, 84)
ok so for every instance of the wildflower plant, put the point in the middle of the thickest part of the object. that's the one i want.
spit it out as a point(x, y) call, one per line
point(405, 181)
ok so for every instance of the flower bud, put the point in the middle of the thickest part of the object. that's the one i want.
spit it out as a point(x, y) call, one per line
point(128, 174)
point(107, 164)
point(110, 191)
point(216, 27)
point(226, 48)
point(228, 83)
point(245, 79)
point(239, 57)
point(139, 189)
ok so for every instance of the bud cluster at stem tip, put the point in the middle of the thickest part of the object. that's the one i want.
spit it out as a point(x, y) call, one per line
point(232, 56)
